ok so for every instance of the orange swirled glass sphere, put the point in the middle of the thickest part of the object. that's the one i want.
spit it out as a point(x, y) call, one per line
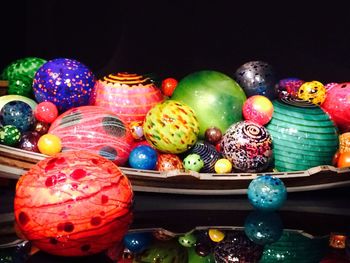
point(130, 96)
point(73, 204)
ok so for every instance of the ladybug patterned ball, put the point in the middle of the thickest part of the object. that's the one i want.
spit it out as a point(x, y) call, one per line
point(248, 146)
point(267, 193)
point(65, 82)
point(312, 91)
point(193, 162)
point(73, 204)
point(94, 129)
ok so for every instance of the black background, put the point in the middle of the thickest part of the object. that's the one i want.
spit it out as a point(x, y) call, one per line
point(174, 38)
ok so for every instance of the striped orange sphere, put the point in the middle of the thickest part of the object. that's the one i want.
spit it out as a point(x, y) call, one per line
point(130, 96)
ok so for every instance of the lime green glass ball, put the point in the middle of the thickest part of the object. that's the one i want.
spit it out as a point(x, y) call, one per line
point(20, 74)
point(171, 127)
point(303, 135)
point(216, 99)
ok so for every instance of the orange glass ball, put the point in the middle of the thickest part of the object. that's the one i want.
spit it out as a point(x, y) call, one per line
point(73, 204)
point(343, 160)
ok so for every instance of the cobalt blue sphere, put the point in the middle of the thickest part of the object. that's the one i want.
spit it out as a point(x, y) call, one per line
point(65, 82)
point(19, 114)
point(137, 242)
point(267, 193)
point(143, 157)
point(263, 227)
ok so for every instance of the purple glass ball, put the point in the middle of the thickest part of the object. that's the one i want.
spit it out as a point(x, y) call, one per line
point(29, 141)
point(65, 82)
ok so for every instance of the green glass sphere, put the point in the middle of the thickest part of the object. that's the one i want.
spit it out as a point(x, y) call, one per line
point(20, 74)
point(303, 135)
point(216, 99)
point(9, 135)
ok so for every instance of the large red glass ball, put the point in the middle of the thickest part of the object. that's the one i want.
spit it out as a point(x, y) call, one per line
point(73, 204)
point(96, 130)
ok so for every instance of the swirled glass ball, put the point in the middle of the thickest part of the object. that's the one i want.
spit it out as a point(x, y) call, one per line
point(65, 82)
point(73, 204)
point(248, 146)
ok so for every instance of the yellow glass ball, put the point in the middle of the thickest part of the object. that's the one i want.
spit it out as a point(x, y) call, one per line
point(216, 235)
point(49, 144)
point(223, 166)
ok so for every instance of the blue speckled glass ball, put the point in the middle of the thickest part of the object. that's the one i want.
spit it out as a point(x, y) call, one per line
point(65, 82)
point(263, 227)
point(143, 157)
point(137, 242)
point(18, 114)
point(267, 193)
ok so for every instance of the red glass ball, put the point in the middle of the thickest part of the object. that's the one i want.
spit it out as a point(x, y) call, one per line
point(46, 112)
point(73, 204)
point(168, 162)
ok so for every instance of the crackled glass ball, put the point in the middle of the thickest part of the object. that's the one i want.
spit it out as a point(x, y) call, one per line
point(267, 193)
point(73, 204)
point(171, 127)
point(248, 146)
point(65, 82)
point(168, 162)
point(94, 129)
point(18, 114)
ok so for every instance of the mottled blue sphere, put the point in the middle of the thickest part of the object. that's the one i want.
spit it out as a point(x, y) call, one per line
point(65, 82)
point(267, 193)
point(19, 114)
point(263, 227)
point(137, 242)
point(143, 157)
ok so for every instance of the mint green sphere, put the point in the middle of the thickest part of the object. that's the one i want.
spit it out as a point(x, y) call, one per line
point(216, 99)
point(303, 135)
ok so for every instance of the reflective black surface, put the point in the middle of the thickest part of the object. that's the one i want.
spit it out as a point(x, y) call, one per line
point(308, 221)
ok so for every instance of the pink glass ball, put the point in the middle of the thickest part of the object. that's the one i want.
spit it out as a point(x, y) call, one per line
point(258, 109)
point(73, 204)
point(130, 96)
point(94, 129)
point(337, 105)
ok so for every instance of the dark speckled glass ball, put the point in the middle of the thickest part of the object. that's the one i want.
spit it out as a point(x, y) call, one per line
point(257, 78)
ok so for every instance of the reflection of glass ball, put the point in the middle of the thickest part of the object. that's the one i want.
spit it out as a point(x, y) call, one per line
point(248, 146)
point(257, 78)
point(236, 247)
point(263, 227)
point(138, 241)
point(65, 82)
point(73, 204)
point(96, 130)
point(267, 193)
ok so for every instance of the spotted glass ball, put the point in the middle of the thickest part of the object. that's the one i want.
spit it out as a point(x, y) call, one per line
point(9, 135)
point(267, 193)
point(73, 204)
point(312, 91)
point(193, 162)
point(65, 82)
